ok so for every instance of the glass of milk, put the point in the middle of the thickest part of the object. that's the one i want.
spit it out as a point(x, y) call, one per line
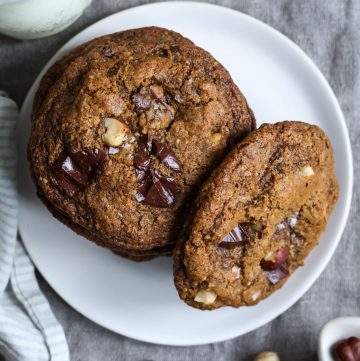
point(32, 19)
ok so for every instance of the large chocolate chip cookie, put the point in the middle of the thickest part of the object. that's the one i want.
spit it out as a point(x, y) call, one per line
point(124, 130)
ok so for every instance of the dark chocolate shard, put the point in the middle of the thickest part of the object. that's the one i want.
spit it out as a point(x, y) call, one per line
point(157, 191)
point(70, 187)
point(166, 156)
point(170, 184)
point(235, 238)
point(144, 180)
point(74, 170)
point(142, 156)
point(79, 176)
point(153, 188)
point(140, 175)
point(148, 146)
point(88, 160)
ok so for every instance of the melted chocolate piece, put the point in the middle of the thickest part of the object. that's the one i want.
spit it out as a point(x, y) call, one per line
point(166, 156)
point(277, 275)
point(235, 238)
point(280, 259)
point(276, 270)
point(73, 171)
point(153, 188)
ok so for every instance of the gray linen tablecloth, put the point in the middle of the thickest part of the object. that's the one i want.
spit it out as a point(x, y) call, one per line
point(329, 32)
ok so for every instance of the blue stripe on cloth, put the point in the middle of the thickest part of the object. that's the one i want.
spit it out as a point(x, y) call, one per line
point(7, 212)
point(13, 354)
point(7, 223)
point(6, 235)
point(6, 182)
point(25, 339)
point(8, 204)
point(32, 299)
point(8, 187)
point(28, 329)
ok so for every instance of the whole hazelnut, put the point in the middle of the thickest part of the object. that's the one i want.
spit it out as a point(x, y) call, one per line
point(115, 132)
point(267, 356)
point(347, 350)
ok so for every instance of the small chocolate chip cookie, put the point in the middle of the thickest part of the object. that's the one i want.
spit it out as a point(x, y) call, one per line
point(257, 217)
point(124, 130)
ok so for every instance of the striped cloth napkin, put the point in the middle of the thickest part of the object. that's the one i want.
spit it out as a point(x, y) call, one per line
point(28, 328)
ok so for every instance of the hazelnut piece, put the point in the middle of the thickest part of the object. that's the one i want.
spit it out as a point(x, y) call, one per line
point(347, 350)
point(216, 137)
point(205, 296)
point(270, 256)
point(267, 356)
point(236, 271)
point(307, 171)
point(115, 132)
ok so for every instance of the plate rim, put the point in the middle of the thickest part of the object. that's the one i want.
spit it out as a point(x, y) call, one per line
point(301, 290)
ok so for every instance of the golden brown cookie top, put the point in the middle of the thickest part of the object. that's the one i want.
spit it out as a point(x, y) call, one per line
point(257, 217)
point(126, 127)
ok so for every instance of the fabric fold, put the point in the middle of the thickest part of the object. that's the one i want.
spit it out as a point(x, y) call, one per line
point(28, 328)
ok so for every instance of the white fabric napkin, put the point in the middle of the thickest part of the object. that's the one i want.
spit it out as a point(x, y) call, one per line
point(28, 328)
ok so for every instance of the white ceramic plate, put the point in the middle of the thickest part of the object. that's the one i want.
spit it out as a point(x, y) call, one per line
point(139, 300)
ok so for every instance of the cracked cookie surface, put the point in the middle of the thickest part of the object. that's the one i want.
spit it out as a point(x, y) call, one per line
point(257, 217)
point(96, 106)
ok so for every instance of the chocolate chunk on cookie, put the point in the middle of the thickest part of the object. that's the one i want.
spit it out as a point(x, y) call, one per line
point(257, 217)
point(125, 128)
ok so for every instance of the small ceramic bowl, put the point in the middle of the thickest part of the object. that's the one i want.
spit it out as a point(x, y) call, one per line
point(335, 331)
